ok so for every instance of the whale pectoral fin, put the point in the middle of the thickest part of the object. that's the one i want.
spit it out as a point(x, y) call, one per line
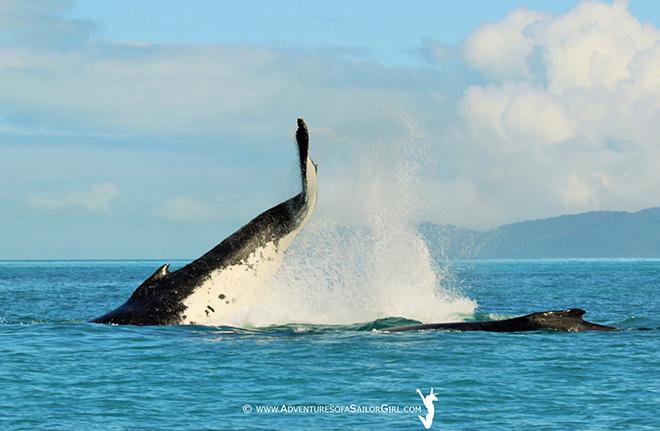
point(160, 273)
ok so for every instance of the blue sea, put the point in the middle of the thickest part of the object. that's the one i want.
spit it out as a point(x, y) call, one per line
point(58, 372)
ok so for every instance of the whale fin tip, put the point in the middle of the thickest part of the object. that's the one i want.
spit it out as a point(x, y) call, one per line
point(302, 137)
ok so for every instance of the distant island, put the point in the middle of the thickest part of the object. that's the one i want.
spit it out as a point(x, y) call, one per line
point(596, 234)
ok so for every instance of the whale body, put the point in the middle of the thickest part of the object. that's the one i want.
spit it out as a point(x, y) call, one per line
point(207, 290)
point(563, 320)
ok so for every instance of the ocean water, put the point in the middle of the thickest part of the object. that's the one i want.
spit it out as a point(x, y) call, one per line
point(59, 372)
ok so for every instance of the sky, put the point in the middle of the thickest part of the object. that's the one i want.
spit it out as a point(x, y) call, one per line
point(153, 129)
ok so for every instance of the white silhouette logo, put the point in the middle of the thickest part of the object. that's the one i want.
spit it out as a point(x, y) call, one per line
point(428, 403)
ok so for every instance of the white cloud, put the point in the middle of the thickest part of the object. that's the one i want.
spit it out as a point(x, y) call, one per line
point(97, 198)
point(591, 90)
point(592, 46)
point(518, 113)
point(502, 50)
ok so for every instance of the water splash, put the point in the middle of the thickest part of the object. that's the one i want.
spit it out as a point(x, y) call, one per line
point(361, 258)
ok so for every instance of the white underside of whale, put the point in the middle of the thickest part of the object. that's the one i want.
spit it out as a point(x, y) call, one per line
point(227, 294)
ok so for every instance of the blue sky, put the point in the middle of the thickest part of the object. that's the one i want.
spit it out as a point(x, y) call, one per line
point(150, 129)
point(390, 32)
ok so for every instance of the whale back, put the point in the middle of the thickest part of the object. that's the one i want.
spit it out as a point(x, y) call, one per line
point(564, 320)
point(569, 320)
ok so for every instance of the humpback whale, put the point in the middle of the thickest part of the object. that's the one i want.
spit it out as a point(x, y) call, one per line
point(562, 320)
point(207, 290)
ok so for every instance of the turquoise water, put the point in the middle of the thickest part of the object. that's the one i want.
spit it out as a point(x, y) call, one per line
point(58, 372)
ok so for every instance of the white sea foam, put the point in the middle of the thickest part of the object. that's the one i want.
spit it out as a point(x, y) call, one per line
point(361, 258)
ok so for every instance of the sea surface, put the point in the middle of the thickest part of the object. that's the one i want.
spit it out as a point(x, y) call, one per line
point(58, 372)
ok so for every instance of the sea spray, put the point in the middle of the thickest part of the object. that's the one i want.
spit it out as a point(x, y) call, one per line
point(361, 257)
